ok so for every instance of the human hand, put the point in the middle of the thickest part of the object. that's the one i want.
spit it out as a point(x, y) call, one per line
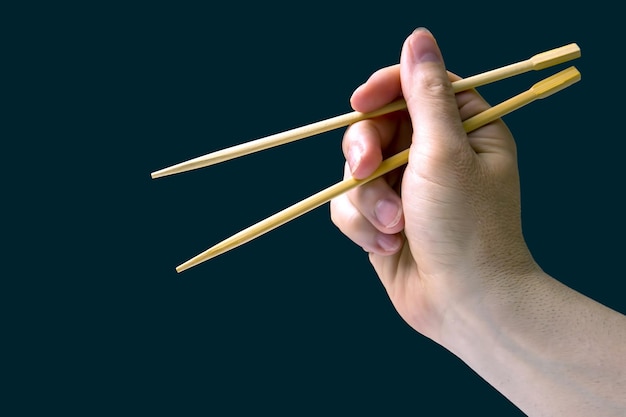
point(446, 233)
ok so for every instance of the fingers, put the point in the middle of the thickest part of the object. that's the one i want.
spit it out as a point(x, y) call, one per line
point(380, 89)
point(371, 216)
point(379, 204)
point(366, 142)
point(441, 152)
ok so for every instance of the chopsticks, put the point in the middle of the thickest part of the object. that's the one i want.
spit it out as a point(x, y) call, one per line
point(536, 62)
point(540, 90)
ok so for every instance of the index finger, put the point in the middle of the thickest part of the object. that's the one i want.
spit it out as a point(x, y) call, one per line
point(381, 88)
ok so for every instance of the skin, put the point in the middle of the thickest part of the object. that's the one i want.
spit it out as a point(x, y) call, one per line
point(444, 235)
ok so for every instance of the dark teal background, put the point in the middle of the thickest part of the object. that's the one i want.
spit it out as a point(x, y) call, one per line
point(294, 323)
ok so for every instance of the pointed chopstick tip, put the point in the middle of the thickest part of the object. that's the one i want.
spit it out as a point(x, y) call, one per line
point(198, 259)
point(163, 173)
point(184, 266)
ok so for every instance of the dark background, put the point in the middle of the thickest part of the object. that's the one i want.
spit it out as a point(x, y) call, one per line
point(96, 321)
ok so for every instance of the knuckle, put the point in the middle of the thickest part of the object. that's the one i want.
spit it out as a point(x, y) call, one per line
point(433, 84)
point(341, 216)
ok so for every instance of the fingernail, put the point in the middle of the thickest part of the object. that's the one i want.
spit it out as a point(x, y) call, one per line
point(425, 47)
point(354, 157)
point(388, 213)
point(422, 29)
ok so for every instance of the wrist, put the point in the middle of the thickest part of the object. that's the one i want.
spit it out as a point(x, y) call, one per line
point(494, 327)
point(547, 348)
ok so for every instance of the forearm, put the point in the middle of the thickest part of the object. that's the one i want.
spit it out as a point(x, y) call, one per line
point(546, 347)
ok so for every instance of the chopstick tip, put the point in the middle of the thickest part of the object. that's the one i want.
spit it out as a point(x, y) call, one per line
point(185, 266)
point(158, 174)
point(196, 260)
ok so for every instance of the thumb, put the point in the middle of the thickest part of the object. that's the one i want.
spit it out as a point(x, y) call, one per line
point(437, 127)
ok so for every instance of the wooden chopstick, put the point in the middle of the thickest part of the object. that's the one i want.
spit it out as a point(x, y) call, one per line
point(539, 90)
point(536, 62)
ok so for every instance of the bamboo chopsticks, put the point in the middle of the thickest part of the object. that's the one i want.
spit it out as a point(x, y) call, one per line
point(539, 90)
point(536, 62)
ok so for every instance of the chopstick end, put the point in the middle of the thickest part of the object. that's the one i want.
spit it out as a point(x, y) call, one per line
point(185, 266)
point(556, 56)
point(198, 259)
point(161, 173)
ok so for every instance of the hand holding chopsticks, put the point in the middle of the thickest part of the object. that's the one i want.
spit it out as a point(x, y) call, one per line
point(540, 90)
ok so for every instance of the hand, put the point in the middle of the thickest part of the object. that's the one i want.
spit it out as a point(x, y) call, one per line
point(445, 238)
point(445, 233)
